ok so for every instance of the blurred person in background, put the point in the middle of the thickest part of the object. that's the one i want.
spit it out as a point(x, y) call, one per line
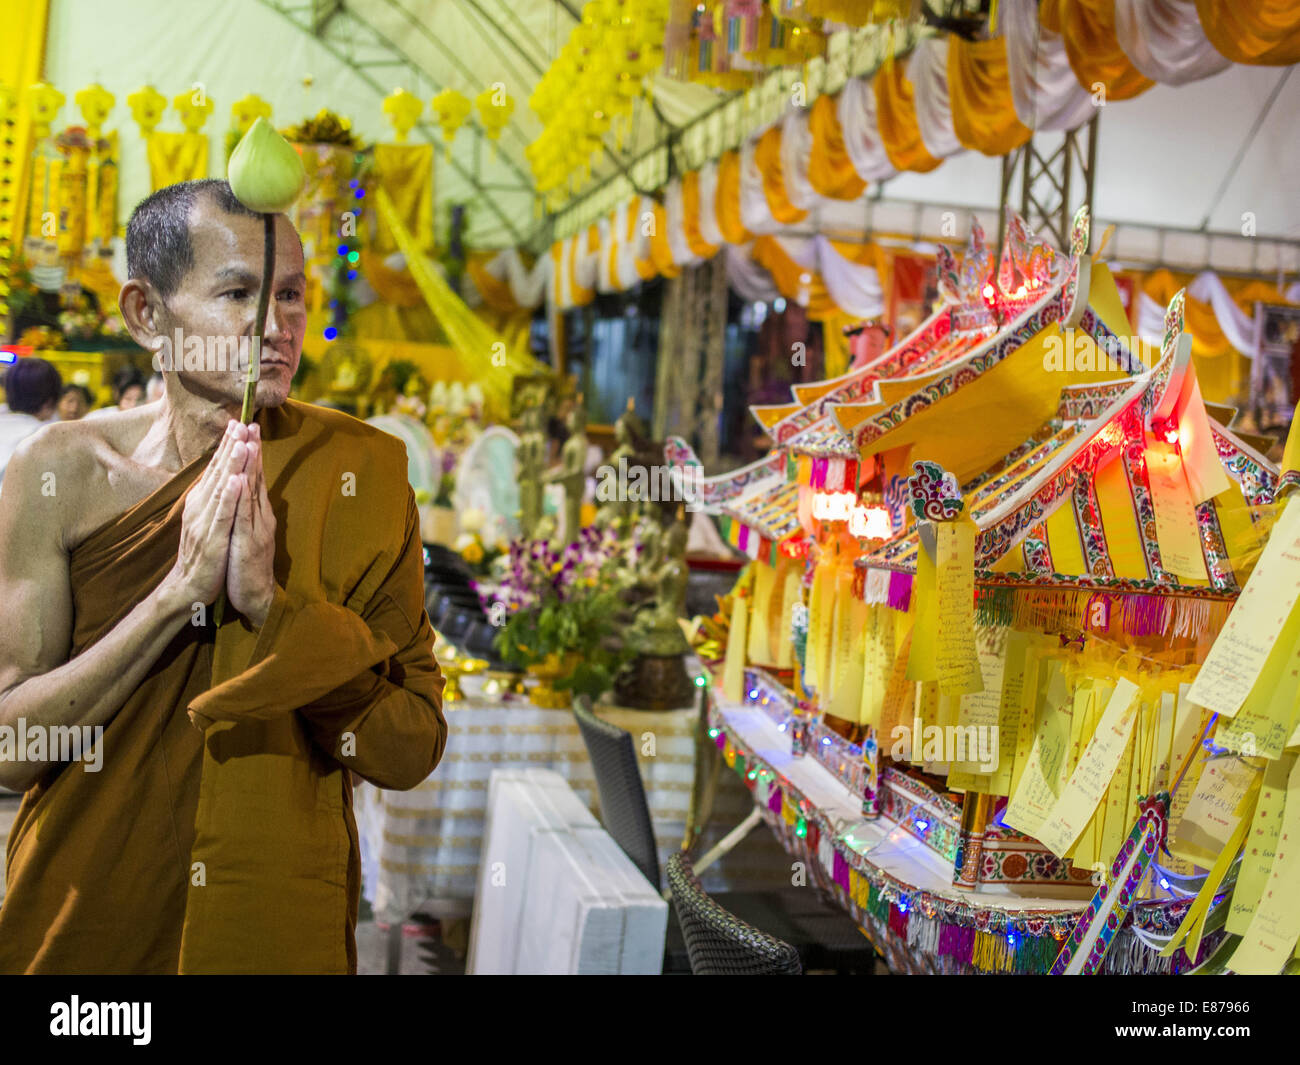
point(128, 388)
point(74, 403)
point(32, 388)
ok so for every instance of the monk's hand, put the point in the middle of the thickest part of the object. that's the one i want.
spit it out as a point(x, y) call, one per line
point(250, 572)
point(209, 516)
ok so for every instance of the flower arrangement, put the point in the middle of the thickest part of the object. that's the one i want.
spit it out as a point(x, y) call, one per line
point(447, 479)
point(562, 601)
point(479, 554)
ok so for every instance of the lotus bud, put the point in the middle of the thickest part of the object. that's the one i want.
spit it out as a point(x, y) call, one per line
point(265, 172)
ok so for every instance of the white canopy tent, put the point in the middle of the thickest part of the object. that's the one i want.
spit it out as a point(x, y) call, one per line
point(1168, 158)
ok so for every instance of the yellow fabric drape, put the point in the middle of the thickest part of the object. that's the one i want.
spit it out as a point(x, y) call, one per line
point(1087, 28)
point(1222, 371)
point(611, 253)
point(645, 267)
point(496, 294)
point(979, 91)
point(394, 287)
point(767, 158)
point(405, 173)
point(1261, 32)
point(871, 254)
point(177, 157)
point(22, 62)
point(896, 118)
point(727, 200)
point(473, 339)
point(835, 344)
point(691, 216)
point(661, 253)
point(830, 171)
point(788, 276)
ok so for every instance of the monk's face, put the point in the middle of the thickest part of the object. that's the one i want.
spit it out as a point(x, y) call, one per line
point(218, 299)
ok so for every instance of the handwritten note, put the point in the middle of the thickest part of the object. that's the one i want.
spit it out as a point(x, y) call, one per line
point(1177, 530)
point(1264, 722)
point(850, 637)
point(1275, 927)
point(1238, 655)
point(1037, 793)
point(979, 716)
point(1261, 845)
point(957, 660)
point(1092, 776)
point(1213, 811)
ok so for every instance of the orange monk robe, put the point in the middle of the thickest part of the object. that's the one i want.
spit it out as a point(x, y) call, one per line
point(218, 835)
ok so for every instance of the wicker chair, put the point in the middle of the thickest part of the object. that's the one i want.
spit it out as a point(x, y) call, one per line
point(718, 942)
point(623, 807)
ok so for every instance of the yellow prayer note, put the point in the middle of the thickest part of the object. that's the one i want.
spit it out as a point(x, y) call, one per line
point(1274, 930)
point(1092, 776)
point(1037, 793)
point(979, 717)
point(957, 662)
point(1177, 530)
point(733, 670)
point(1261, 845)
point(1265, 721)
point(1211, 815)
point(1241, 649)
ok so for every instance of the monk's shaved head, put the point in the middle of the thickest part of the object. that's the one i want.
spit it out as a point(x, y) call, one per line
point(159, 244)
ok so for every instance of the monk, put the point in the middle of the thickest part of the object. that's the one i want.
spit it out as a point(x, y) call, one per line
point(212, 829)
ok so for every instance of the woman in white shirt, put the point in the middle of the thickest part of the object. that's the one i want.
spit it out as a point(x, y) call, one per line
point(32, 388)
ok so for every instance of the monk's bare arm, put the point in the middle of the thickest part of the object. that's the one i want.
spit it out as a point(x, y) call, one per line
point(38, 682)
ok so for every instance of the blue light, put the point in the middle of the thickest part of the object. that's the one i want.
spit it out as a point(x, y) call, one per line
point(352, 275)
point(344, 249)
point(922, 824)
point(353, 183)
point(753, 693)
point(360, 193)
point(8, 356)
point(902, 905)
point(1164, 883)
point(826, 741)
point(330, 332)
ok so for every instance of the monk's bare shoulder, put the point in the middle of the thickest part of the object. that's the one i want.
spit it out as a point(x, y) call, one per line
point(66, 476)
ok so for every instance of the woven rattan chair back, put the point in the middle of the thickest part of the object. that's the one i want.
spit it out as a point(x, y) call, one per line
point(718, 942)
point(623, 807)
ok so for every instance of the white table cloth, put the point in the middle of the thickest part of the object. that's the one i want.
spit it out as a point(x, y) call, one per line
point(423, 846)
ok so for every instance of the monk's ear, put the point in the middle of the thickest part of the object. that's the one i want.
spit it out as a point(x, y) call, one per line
point(142, 312)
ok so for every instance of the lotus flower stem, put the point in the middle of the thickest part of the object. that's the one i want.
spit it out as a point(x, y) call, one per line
point(263, 304)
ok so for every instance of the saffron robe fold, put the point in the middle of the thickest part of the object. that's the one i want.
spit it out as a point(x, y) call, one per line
point(218, 835)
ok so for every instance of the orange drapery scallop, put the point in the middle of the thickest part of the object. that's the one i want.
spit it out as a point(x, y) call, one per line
point(727, 200)
point(1088, 29)
point(661, 252)
point(789, 278)
point(1261, 32)
point(896, 116)
point(979, 90)
point(830, 171)
point(691, 216)
point(767, 157)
